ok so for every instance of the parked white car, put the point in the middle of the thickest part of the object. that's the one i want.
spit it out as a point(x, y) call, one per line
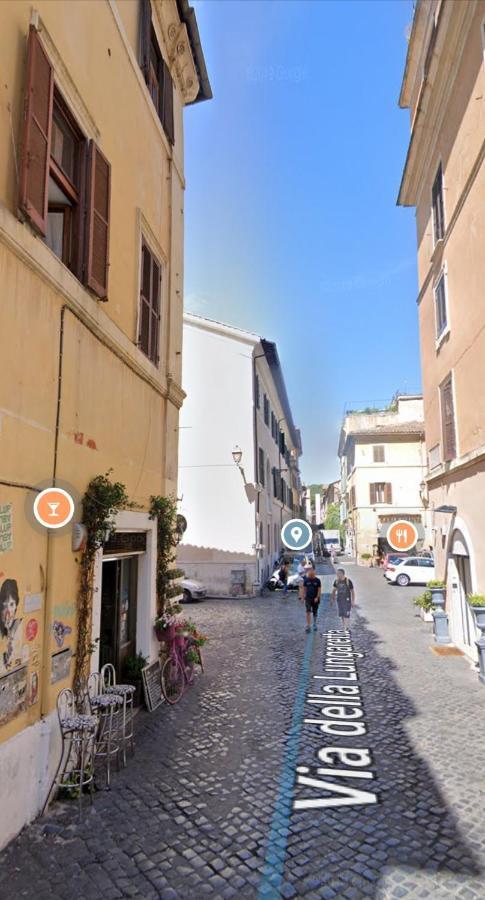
point(192, 590)
point(411, 570)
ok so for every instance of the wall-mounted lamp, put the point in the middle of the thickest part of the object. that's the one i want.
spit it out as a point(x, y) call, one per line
point(237, 455)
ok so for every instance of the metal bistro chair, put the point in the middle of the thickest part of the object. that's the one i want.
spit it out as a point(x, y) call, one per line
point(127, 691)
point(76, 765)
point(106, 707)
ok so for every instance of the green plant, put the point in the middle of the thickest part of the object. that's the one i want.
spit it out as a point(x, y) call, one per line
point(164, 511)
point(332, 520)
point(191, 656)
point(366, 555)
point(101, 502)
point(134, 665)
point(424, 601)
point(476, 599)
point(436, 584)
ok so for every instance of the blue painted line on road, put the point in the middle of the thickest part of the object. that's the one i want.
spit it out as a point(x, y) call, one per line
point(269, 888)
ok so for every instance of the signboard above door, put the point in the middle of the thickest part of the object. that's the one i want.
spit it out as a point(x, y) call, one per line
point(126, 542)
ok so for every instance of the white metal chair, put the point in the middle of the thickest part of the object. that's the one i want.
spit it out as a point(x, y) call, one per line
point(108, 686)
point(76, 764)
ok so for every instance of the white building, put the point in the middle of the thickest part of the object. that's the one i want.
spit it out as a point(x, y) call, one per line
point(383, 465)
point(236, 396)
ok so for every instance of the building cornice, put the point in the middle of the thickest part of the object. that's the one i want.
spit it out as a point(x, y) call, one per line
point(434, 95)
point(449, 469)
point(221, 328)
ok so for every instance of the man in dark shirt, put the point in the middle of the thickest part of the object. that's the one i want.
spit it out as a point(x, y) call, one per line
point(311, 591)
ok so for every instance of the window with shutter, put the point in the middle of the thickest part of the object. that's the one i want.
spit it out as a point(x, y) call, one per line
point(155, 71)
point(266, 409)
point(275, 482)
point(378, 453)
point(256, 391)
point(261, 466)
point(448, 420)
point(97, 221)
point(440, 306)
point(34, 174)
point(388, 493)
point(438, 206)
point(372, 494)
point(149, 316)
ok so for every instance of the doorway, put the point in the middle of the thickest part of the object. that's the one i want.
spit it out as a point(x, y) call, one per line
point(466, 626)
point(118, 611)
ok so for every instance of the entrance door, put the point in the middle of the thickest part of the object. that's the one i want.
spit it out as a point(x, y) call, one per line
point(118, 611)
point(467, 627)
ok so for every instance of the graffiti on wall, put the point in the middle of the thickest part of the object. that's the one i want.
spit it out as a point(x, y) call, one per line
point(13, 694)
point(60, 665)
point(60, 630)
point(6, 527)
point(10, 627)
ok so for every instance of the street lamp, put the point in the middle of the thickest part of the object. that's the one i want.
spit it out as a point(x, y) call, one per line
point(237, 455)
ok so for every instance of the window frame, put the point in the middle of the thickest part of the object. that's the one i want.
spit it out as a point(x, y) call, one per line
point(386, 493)
point(72, 255)
point(145, 244)
point(449, 380)
point(441, 280)
point(434, 218)
point(379, 447)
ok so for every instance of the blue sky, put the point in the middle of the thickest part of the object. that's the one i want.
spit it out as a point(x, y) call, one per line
point(292, 228)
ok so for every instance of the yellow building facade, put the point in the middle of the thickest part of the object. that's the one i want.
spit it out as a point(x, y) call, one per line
point(91, 285)
point(444, 179)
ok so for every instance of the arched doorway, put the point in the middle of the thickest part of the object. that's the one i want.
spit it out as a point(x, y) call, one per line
point(462, 623)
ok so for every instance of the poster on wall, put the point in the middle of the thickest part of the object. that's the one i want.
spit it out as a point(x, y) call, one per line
point(13, 694)
point(60, 665)
point(6, 527)
point(10, 627)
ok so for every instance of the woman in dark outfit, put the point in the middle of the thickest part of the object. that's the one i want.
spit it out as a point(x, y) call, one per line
point(343, 591)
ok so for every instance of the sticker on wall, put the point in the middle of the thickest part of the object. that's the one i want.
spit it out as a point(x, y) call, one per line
point(6, 527)
point(32, 603)
point(10, 627)
point(64, 610)
point(60, 665)
point(31, 629)
point(59, 630)
point(33, 688)
point(13, 694)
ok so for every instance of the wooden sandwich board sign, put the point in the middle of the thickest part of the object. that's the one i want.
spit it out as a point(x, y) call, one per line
point(152, 685)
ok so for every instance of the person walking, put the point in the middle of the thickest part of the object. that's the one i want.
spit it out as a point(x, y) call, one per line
point(343, 592)
point(311, 591)
point(283, 575)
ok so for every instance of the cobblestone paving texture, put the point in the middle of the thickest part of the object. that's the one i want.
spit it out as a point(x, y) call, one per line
point(191, 814)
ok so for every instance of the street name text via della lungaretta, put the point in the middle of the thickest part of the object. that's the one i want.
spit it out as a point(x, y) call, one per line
point(340, 703)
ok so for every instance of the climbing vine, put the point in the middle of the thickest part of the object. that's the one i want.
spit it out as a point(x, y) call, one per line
point(101, 502)
point(164, 511)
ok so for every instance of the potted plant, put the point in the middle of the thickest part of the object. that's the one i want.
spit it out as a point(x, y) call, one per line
point(132, 674)
point(438, 593)
point(165, 624)
point(366, 556)
point(425, 604)
point(476, 603)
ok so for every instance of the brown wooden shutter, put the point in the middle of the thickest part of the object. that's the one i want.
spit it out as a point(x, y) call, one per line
point(145, 37)
point(372, 491)
point(34, 172)
point(97, 225)
point(167, 102)
point(448, 416)
point(388, 493)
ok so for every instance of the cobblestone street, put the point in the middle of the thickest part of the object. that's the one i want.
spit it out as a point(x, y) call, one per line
point(192, 814)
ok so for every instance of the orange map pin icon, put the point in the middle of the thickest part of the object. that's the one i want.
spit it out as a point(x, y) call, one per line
point(53, 507)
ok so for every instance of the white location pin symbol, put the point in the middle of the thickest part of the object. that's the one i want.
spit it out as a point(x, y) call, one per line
point(296, 533)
